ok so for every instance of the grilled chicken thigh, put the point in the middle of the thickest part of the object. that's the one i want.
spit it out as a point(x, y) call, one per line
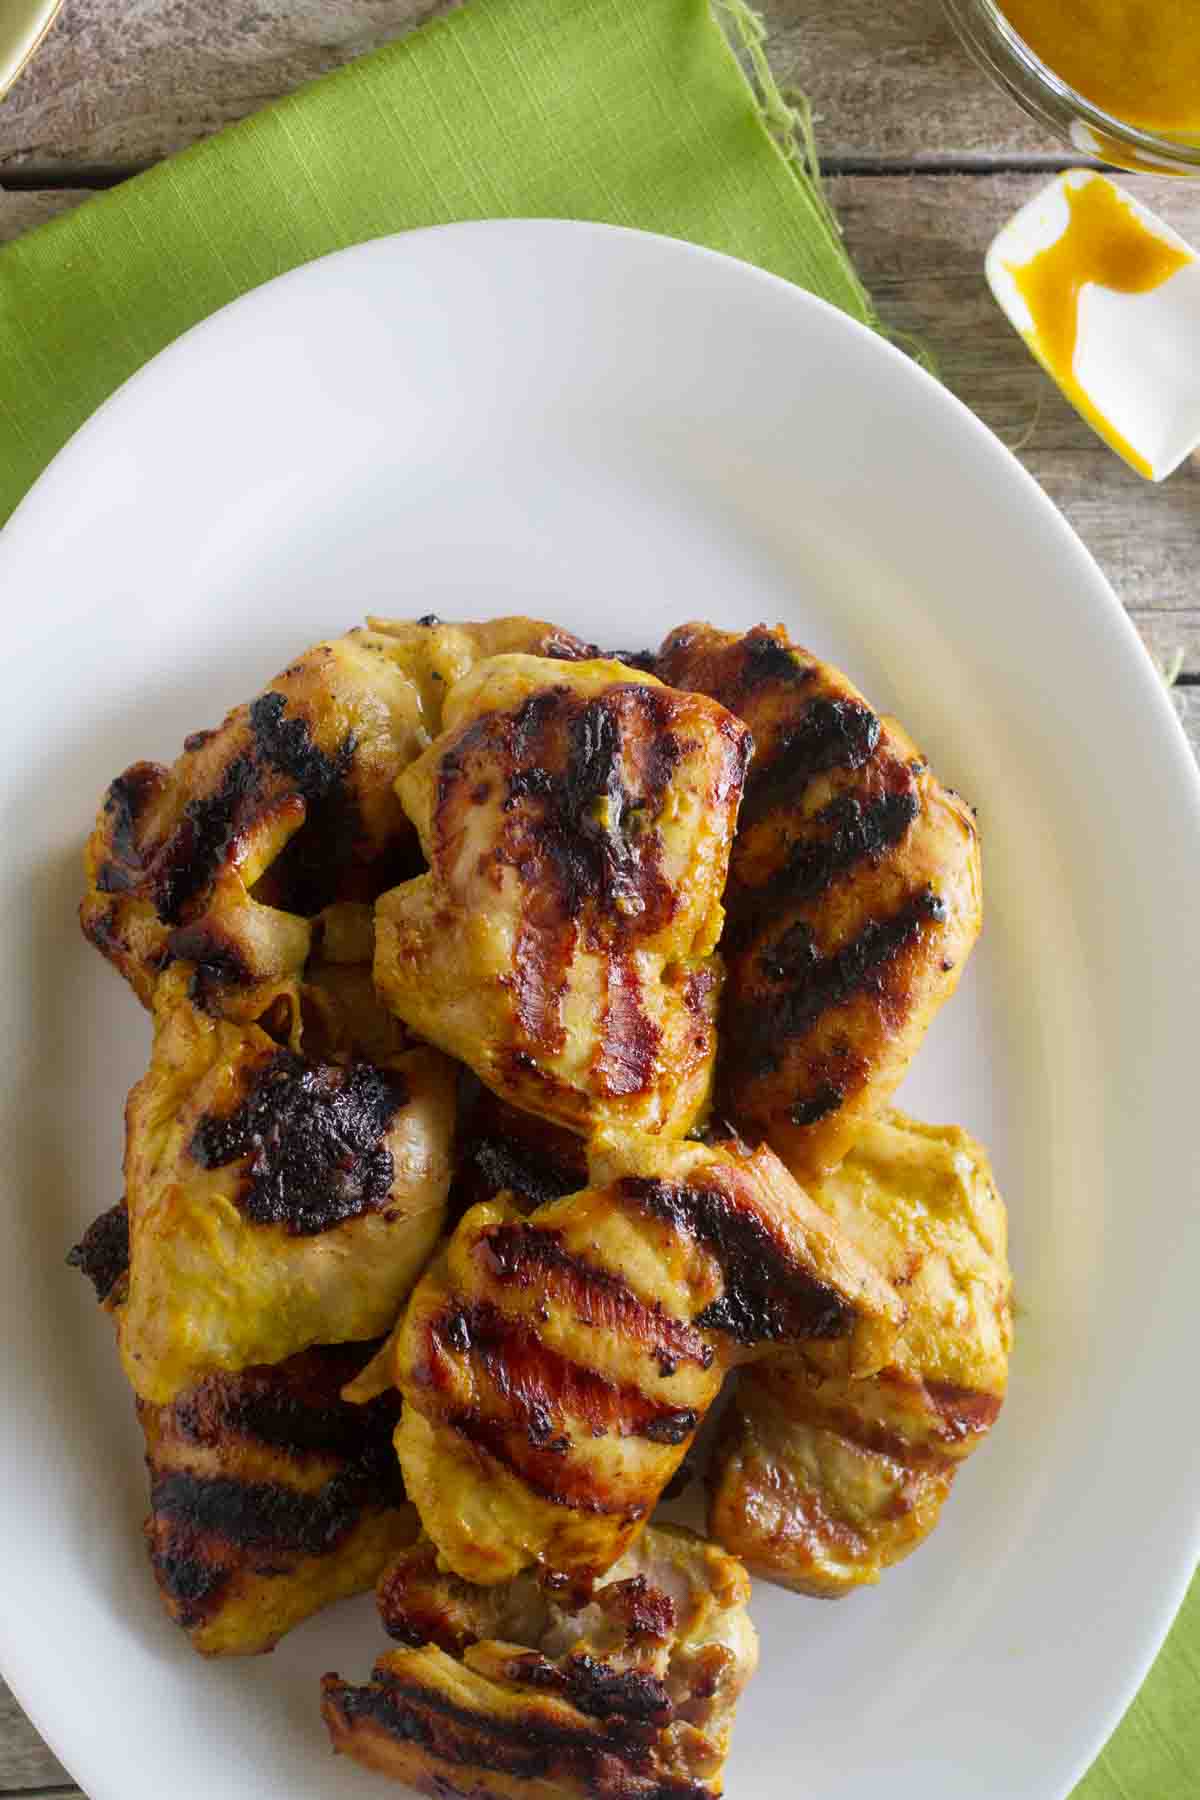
point(555, 1367)
point(276, 1199)
point(270, 1498)
point(820, 1482)
point(506, 1694)
point(577, 822)
point(270, 1495)
point(853, 897)
point(221, 861)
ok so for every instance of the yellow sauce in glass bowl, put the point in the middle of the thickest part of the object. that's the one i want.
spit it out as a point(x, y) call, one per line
point(1138, 60)
point(1105, 242)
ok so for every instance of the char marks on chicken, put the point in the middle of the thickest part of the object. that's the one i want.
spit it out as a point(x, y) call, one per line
point(505, 1693)
point(820, 1482)
point(275, 1200)
point(577, 822)
point(555, 1367)
point(270, 1495)
point(853, 899)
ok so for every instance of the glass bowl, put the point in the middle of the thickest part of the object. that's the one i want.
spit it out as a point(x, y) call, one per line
point(1089, 130)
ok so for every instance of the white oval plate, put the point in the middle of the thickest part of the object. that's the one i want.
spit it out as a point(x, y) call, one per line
point(620, 433)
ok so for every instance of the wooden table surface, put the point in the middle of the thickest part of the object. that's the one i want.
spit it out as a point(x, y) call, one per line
point(924, 160)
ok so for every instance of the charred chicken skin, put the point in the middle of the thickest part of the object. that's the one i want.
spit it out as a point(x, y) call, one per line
point(222, 861)
point(499, 1150)
point(577, 821)
point(554, 1368)
point(703, 890)
point(276, 1200)
point(507, 1694)
point(820, 1482)
point(854, 896)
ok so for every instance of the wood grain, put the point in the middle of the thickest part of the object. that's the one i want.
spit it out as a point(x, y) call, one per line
point(889, 80)
point(127, 81)
point(21, 212)
point(25, 1762)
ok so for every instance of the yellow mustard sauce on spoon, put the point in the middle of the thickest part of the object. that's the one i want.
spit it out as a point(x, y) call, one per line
point(1104, 242)
point(1136, 59)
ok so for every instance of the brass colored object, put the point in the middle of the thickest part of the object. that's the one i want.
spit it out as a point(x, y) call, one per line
point(23, 25)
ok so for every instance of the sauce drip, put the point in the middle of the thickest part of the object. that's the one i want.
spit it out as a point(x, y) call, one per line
point(1104, 242)
point(1138, 60)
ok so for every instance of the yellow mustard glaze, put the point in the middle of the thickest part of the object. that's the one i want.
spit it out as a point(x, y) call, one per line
point(1136, 59)
point(1105, 242)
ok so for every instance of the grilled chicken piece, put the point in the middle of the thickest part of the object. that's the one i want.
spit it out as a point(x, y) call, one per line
point(555, 1368)
point(577, 822)
point(288, 806)
point(221, 860)
point(820, 1482)
point(854, 896)
point(270, 1496)
point(276, 1199)
point(499, 1150)
point(102, 1254)
point(507, 1696)
point(437, 655)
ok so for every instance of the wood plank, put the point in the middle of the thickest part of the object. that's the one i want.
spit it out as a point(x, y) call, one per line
point(127, 81)
point(21, 212)
point(893, 81)
point(25, 1762)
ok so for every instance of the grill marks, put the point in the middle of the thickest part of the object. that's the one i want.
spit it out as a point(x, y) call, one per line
point(293, 1406)
point(542, 1392)
point(585, 780)
point(594, 1688)
point(759, 1029)
point(851, 830)
point(311, 1137)
point(768, 1297)
point(210, 1532)
point(273, 763)
point(613, 1764)
point(533, 1257)
point(832, 911)
point(829, 734)
point(261, 1516)
point(629, 1039)
point(486, 1362)
point(965, 1412)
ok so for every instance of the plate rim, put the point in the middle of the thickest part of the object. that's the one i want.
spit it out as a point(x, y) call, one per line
point(1161, 720)
point(879, 341)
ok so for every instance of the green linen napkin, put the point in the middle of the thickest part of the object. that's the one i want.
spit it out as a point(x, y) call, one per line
point(1154, 1754)
point(630, 111)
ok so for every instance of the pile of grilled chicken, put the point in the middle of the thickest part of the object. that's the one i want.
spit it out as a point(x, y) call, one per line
point(525, 1024)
